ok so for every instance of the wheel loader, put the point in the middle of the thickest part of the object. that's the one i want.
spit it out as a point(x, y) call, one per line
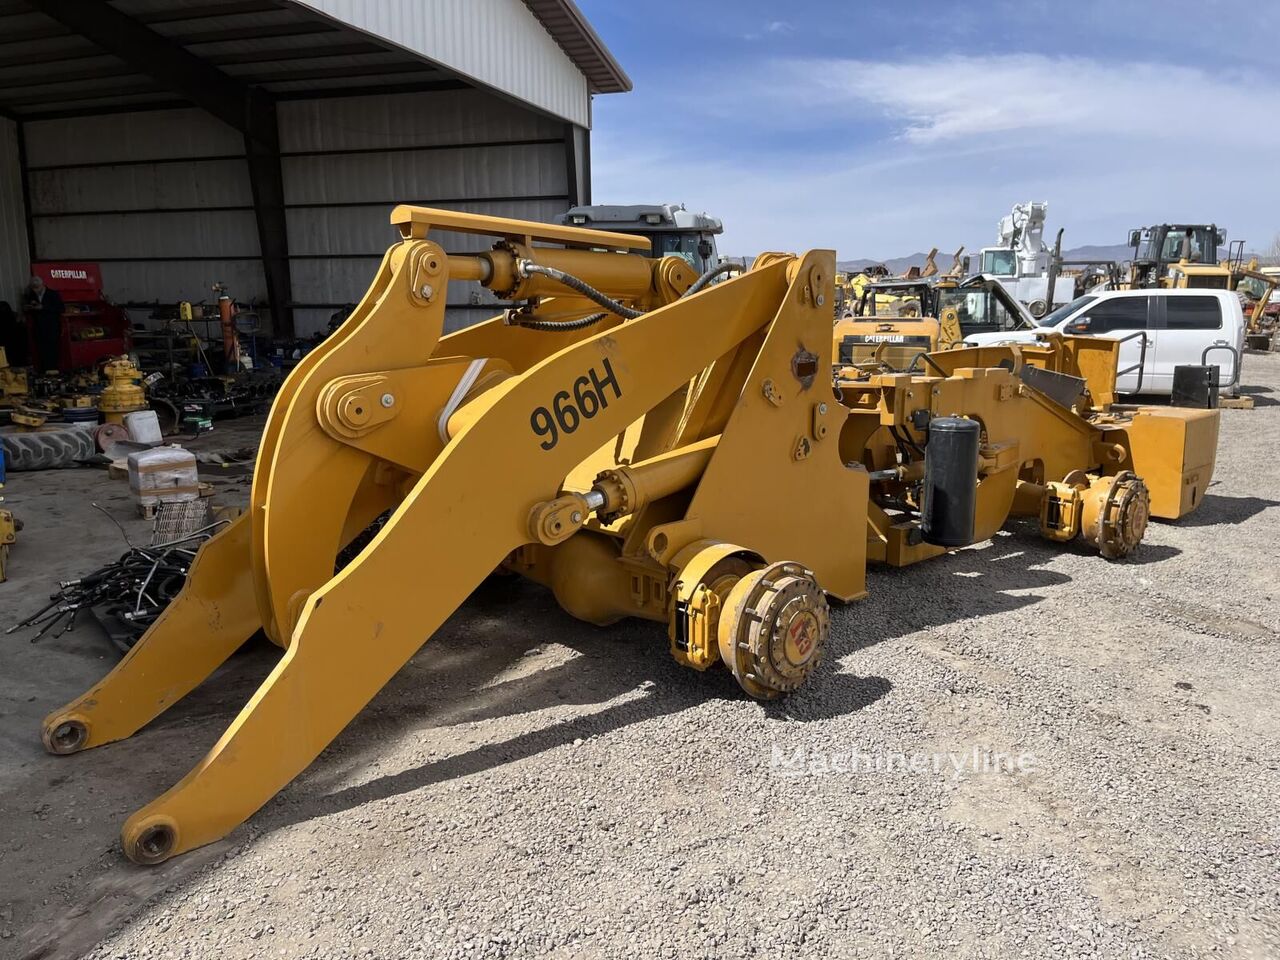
point(1254, 285)
point(894, 321)
point(641, 441)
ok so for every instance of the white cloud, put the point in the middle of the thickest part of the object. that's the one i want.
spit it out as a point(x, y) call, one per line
point(884, 159)
point(958, 97)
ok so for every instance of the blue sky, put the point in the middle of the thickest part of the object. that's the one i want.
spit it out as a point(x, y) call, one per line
point(881, 129)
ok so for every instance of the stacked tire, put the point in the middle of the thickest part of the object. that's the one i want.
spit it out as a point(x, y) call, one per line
point(48, 448)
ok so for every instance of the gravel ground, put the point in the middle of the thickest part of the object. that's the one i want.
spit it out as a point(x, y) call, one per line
point(1014, 751)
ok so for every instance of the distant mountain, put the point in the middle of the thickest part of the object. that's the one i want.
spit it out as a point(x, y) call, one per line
point(1116, 251)
point(899, 265)
point(896, 265)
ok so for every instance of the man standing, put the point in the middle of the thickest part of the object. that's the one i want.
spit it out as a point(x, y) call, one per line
point(45, 306)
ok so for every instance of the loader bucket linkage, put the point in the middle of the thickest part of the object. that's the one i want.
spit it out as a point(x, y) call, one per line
point(640, 452)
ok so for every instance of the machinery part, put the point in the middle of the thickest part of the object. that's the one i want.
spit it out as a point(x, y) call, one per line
point(109, 434)
point(1116, 511)
point(520, 319)
point(1061, 388)
point(80, 414)
point(949, 502)
point(47, 448)
point(773, 628)
point(123, 392)
point(708, 572)
point(560, 325)
point(949, 333)
point(1195, 386)
point(624, 489)
point(13, 383)
point(9, 528)
point(525, 268)
point(31, 417)
point(1060, 511)
point(597, 461)
point(126, 597)
point(181, 521)
point(563, 402)
point(167, 415)
point(719, 269)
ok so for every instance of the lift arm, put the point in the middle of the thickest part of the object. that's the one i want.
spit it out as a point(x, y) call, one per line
point(375, 420)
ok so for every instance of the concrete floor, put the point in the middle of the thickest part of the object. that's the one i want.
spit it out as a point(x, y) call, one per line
point(64, 536)
point(65, 886)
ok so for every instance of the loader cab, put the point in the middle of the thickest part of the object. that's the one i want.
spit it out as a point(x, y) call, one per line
point(896, 320)
point(1156, 249)
point(891, 299)
point(999, 262)
point(983, 305)
point(670, 229)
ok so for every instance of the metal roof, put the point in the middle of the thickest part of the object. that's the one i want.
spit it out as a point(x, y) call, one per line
point(570, 29)
point(281, 47)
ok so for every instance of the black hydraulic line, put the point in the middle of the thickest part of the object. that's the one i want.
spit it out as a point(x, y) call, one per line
point(903, 450)
point(904, 438)
point(560, 324)
point(726, 267)
point(526, 267)
point(136, 588)
point(591, 293)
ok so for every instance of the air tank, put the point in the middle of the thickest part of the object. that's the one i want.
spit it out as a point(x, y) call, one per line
point(950, 500)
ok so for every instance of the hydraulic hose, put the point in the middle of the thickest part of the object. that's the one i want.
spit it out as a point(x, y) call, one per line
point(702, 281)
point(562, 324)
point(527, 267)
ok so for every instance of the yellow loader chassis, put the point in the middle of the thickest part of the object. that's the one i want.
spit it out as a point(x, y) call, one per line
point(688, 459)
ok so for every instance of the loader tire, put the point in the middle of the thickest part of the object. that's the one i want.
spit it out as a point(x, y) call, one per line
point(46, 449)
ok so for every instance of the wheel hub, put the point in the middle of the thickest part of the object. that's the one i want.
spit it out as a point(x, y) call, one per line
point(1121, 509)
point(773, 629)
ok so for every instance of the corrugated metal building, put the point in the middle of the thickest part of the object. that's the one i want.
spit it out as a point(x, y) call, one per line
point(262, 143)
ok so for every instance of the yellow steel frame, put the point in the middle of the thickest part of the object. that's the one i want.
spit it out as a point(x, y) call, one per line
point(638, 467)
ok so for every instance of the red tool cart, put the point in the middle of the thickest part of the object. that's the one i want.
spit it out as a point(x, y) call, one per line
point(92, 328)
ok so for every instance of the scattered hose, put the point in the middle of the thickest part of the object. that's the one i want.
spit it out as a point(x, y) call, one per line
point(127, 595)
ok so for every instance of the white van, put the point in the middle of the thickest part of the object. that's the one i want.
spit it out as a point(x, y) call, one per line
point(1178, 327)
